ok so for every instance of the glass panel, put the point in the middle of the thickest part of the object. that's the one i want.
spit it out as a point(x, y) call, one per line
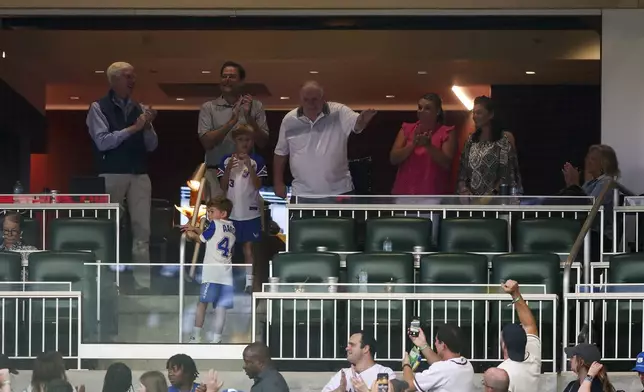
point(332, 286)
point(146, 306)
point(612, 288)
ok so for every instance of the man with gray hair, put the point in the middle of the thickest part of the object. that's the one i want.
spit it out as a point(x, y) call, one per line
point(496, 380)
point(314, 138)
point(123, 136)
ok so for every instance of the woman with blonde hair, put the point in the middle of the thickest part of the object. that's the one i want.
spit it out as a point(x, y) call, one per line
point(153, 381)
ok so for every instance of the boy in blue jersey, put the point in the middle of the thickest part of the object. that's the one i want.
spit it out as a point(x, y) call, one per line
point(217, 274)
point(240, 177)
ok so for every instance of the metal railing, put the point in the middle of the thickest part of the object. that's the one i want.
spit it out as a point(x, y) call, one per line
point(305, 321)
point(616, 322)
point(37, 321)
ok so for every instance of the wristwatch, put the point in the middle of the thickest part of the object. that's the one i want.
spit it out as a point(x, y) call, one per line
point(588, 378)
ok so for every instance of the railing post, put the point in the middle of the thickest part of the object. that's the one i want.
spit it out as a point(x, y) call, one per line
point(182, 260)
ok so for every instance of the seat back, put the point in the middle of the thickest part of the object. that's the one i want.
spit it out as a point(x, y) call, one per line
point(556, 235)
point(94, 234)
point(404, 233)
point(31, 232)
point(10, 268)
point(381, 267)
point(463, 269)
point(626, 268)
point(528, 268)
point(337, 234)
point(300, 267)
point(67, 266)
point(473, 235)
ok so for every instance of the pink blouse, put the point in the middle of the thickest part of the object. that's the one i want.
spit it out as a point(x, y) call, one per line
point(419, 174)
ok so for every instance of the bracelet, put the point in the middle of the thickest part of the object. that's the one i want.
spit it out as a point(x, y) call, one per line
point(517, 299)
point(424, 347)
point(588, 378)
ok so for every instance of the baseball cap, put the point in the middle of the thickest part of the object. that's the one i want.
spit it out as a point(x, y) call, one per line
point(588, 352)
point(515, 339)
point(639, 363)
point(7, 363)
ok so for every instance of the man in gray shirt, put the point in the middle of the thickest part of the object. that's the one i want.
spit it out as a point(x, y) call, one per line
point(259, 366)
point(221, 115)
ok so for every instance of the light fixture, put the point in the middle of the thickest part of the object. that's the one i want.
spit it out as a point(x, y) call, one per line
point(465, 100)
point(205, 71)
point(4, 54)
point(530, 72)
point(285, 98)
point(390, 96)
point(181, 99)
point(313, 72)
point(74, 98)
point(98, 71)
point(422, 72)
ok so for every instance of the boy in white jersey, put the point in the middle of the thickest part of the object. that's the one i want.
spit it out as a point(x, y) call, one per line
point(217, 275)
point(240, 177)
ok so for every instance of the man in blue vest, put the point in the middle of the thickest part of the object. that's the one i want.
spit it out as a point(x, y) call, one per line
point(123, 135)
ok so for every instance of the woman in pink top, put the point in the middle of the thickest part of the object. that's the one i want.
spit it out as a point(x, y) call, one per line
point(423, 152)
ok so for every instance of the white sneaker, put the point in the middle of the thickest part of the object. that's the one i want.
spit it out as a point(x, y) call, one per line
point(194, 339)
point(216, 341)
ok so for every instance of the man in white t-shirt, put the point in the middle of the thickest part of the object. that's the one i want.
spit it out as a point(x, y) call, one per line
point(448, 370)
point(521, 345)
point(361, 351)
point(314, 139)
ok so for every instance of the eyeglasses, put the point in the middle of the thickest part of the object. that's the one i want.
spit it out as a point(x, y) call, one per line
point(11, 232)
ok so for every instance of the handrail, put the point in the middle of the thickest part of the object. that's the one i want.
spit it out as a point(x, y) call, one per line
point(579, 241)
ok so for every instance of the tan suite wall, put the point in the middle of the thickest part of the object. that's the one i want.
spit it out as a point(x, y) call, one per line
point(319, 4)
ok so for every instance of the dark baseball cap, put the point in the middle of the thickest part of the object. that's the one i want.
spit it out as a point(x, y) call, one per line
point(515, 339)
point(588, 352)
point(8, 363)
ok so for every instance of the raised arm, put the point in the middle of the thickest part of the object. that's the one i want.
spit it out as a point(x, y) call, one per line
point(526, 318)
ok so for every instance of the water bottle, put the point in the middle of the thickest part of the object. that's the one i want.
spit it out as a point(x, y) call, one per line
point(387, 246)
point(363, 279)
point(18, 189)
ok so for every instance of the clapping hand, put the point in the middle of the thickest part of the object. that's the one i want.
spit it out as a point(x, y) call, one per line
point(212, 382)
point(571, 174)
point(358, 383)
point(247, 103)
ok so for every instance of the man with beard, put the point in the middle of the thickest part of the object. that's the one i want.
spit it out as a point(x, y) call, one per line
point(259, 367)
point(220, 116)
point(361, 351)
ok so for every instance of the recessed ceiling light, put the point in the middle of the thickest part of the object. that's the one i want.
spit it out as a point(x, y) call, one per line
point(422, 72)
point(285, 97)
point(530, 72)
point(4, 55)
point(181, 99)
point(205, 71)
point(74, 98)
point(313, 72)
point(98, 71)
point(390, 96)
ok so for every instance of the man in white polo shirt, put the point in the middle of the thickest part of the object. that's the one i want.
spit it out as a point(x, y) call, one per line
point(314, 139)
point(521, 345)
point(449, 371)
point(361, 350)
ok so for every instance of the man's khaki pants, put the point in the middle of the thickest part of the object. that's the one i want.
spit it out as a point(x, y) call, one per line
point(137, 190)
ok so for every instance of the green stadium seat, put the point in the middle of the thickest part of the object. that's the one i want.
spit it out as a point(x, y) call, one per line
point(404, 233)
point(31, 233)
point(473, 235)
point(94, 234)
point(552, 235)
point(337, 234)
point(310, 325)
point(69, 266)
point(10, 271)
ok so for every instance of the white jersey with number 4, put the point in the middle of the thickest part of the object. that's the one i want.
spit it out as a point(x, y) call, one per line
point(219, 237)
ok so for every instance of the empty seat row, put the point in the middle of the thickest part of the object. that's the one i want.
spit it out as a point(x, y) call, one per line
point(336, 234)
point(464, 269)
